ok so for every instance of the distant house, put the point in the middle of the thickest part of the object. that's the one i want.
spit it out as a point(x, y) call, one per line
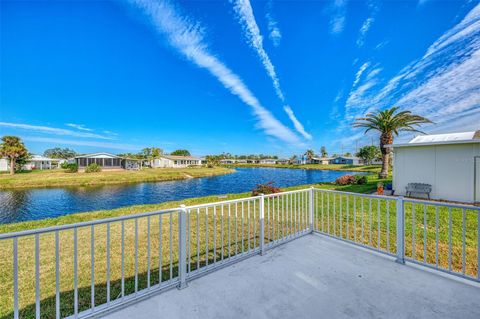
point(173, 161)
point(33, 163)
point(106, 161)
point(348, 160)
point(320, 160)
point(450, 163)
point(228, 161)
point(269, 161)
point(282, 161)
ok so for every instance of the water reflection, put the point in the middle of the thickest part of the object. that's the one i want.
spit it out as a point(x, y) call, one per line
point(22, 205)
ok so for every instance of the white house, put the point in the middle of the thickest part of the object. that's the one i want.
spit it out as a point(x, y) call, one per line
point(320, 160)
point(106, 161)
point(33, 163)
point(176, 161)
point(448, 162)
point(269, 161)
point(350, 160)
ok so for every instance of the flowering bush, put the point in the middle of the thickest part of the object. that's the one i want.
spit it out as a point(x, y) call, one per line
point(265, 189)
point(346, 180)
point(93, 168)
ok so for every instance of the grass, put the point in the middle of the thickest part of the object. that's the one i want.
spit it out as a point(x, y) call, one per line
point(57, 178)
point(330, 167)
point(203, 225)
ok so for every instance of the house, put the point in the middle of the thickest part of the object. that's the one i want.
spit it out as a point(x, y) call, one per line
point(106, 161)
point(268, 161)
point(348, 160)
point(227, 161)
point(282, 161)
point(320, 160)
point(448, 162)
point(173, 161)
point(33, 163)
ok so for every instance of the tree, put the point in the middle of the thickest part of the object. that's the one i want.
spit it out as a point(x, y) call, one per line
point(389, 123)
point(293, 159)
point(323, 151)
point(369, 153)
point(309, 154)
point(13, 149)
point(58, 152)
point(180, 153)
point(213, 160)
point(348, 154)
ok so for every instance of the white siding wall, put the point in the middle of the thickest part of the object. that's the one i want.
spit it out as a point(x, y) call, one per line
point(448, 168)
point(3, 165)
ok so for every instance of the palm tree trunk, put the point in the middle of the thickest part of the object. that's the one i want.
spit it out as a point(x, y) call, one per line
point(12, 166)
point(385, 139)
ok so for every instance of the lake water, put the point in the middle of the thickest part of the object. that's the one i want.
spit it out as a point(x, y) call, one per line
point(39, 203)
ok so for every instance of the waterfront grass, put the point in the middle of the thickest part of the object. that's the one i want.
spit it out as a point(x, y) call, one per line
point(363, 216)
point(59, 178)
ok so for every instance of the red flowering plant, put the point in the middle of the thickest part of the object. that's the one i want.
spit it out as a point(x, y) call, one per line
point(265, 189)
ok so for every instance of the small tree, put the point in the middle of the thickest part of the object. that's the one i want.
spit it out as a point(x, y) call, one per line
point(58, 152)
point(323, 151)
point(13, 149)
point(369, 153)
point(309, 154)
point(180, 153)
point(293, 159)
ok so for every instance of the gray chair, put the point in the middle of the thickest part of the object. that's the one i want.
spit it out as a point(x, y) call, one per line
point(421, 188)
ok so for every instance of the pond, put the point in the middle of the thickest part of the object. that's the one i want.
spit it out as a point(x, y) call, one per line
point(32, 204)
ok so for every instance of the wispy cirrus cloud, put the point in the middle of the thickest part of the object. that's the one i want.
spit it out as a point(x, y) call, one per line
point(80, 127)
point(97, 144)
point(373, 6)
point(273, 30)
point(338, 11)
point(244, 12)
point(53, 130)
point(187, 38)
point(441, 85)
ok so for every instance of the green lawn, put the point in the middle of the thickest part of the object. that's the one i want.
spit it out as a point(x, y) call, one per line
point(56, 178)
point(248, 227)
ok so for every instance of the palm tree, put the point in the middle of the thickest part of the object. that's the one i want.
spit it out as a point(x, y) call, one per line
point(389, 123)
point(13, 149)
point(309, 154)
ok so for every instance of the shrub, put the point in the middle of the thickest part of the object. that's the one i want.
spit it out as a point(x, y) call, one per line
point(265, 189)
point(70, 167)
point(362, 180)
point(345, 180)
point(93, 168)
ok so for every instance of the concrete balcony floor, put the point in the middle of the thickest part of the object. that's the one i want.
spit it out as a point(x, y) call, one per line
point(315, 277)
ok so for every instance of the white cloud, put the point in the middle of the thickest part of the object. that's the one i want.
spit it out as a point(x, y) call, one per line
point(442, 85)
point(186, 37)
point(53, 130)
point(359, 73)
point(80, 127)
point(244, 12)
point(273, 30)
point(338, 16)
point(367, 24)
point(100, 145)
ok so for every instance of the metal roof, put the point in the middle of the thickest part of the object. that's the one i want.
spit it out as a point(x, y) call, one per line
point(442, 139)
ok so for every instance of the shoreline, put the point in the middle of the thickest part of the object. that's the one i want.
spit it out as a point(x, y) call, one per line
point(59, 178)
point(329, 167)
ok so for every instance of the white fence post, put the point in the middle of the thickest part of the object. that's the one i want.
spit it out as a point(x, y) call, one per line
point(262, 224)
point(182, 247)
point(400, 231)
point(310, 208)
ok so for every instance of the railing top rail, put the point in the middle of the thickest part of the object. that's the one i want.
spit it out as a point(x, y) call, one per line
point(288, 192)
point(356, 194)
point(230, 201)
point(83, 224)
point(444, 204)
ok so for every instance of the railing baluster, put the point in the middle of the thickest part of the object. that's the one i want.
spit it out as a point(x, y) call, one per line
point(363, 222)
point(148, 253)
point(223, 232)
point(449, 238)
point(347, 208)
point(57, 275)
point(463, 240)
point(123, 259)
point(171, 245)
point(207, 250)
point(37, 276)
point(414, 248)
point(370, 220)
point(341, 215)
point(15, 278)
point(378, 224)
point(136, 255)
point(75, 272)
point(323, 211)
point(334, 215)
point(160, 249)
point(436, 236)
point(236, 229)
point(268, 222)
point(387, 203)
point(198, 238)
point(214, 235)
point(254, 225)
point(108, 264)
point(354, 218)
point(229, 222)
point(424, 233)
point(92, 267)
point(328, 213)
point(248, 225)
point(243, 228)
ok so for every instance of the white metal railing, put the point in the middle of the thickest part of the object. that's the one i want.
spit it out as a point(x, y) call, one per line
point(84, 269)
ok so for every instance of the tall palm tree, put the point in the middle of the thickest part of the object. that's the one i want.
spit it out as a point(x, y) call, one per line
point(389, 123)
point(309, 154)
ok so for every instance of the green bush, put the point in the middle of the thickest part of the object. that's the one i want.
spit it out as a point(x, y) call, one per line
point(70, 167)
point(93, 168)
point(361, 180)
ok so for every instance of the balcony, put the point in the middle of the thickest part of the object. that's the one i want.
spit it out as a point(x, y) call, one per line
point(301, 253)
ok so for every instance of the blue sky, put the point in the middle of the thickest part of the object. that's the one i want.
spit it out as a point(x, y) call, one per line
point(235, 76)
